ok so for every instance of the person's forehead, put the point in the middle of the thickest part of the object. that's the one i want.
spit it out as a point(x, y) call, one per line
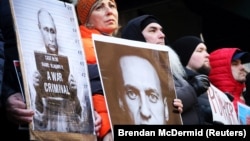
point(139, 71)
point(46, 18)
point(154, 25)
point(237, 61)
point(201, 46)
point(134, 65)
point(100, 2)
point(134, 61)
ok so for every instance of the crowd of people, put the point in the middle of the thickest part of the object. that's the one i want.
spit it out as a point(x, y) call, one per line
point(194, 70)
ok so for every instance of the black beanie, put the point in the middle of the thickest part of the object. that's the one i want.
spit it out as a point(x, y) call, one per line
point(148, 21)
point(133, 29)
point(185, 47)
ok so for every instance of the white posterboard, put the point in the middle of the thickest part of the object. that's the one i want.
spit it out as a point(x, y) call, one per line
point(109, 50)
point(62, 101)
point(222, 108)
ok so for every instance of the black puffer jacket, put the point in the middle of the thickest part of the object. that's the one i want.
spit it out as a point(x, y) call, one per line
point(1, 63)
point(246, 94)
point(206, 115)
point(10, 83)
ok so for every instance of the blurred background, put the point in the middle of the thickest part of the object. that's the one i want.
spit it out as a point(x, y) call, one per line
point(222, 23)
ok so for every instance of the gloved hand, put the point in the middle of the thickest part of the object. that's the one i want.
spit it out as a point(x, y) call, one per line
point(200, 83)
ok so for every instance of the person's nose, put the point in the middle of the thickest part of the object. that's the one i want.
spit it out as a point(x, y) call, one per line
point(242, 66)
point(145, 109)
point(109, 10)
point(207, 54)
point(51, 37)
point(162, 35)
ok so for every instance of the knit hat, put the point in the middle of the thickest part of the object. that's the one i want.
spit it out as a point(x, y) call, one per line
point(148, 20)
point(83, 9)
point(133, 29)
point(185, 47)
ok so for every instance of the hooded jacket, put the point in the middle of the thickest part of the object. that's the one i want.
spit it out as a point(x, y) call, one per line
point(221, 74)
point(133, 31)
point(184, 91)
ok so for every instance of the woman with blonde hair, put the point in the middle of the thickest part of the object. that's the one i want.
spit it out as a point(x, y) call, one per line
point(97, 17)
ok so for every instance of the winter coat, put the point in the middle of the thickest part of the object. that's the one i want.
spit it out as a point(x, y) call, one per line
point(187, 94)
point(88, 47)
point(221, 74)
point(95, 82)
point(10, 83)
point(1, 66)
point(206, 115)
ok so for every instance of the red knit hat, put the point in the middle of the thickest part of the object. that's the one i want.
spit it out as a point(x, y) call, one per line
point(83, 9)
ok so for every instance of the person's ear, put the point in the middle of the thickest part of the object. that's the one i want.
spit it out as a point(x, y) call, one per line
point(166, 113)
point(121, 104)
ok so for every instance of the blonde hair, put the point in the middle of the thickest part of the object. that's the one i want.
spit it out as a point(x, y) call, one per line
point(91, 26)
point(90, 12)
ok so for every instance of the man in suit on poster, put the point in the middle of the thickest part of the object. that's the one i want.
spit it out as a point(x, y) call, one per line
point(57, 104)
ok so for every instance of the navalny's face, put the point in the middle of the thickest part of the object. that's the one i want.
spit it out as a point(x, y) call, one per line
point(142, 96)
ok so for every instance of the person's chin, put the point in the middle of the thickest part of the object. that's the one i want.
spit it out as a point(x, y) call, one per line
point(144, 123)
point(161, 43)
point(53, 50)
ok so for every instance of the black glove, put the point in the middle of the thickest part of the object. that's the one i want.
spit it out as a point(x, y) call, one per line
point(200, 83)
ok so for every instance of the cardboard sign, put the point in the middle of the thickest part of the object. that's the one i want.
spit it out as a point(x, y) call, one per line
point(222, 107)
point(109, 51)
point(55, 74)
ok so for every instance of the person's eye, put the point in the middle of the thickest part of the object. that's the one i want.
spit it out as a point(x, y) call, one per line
point(153, 97)
point(52, 31)
point(199, 50)
point(152, 30)
point(235, 63)
point(46, 29)
point(112, 5)
point(98, 7)
point(131, 94)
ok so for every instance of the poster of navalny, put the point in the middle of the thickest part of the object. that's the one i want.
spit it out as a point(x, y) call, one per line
point(54, 70)
point(137, 81)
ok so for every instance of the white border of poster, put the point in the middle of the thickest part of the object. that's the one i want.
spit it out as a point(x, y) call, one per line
point(109, 50)
point(222, 107)
point(29, 40)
